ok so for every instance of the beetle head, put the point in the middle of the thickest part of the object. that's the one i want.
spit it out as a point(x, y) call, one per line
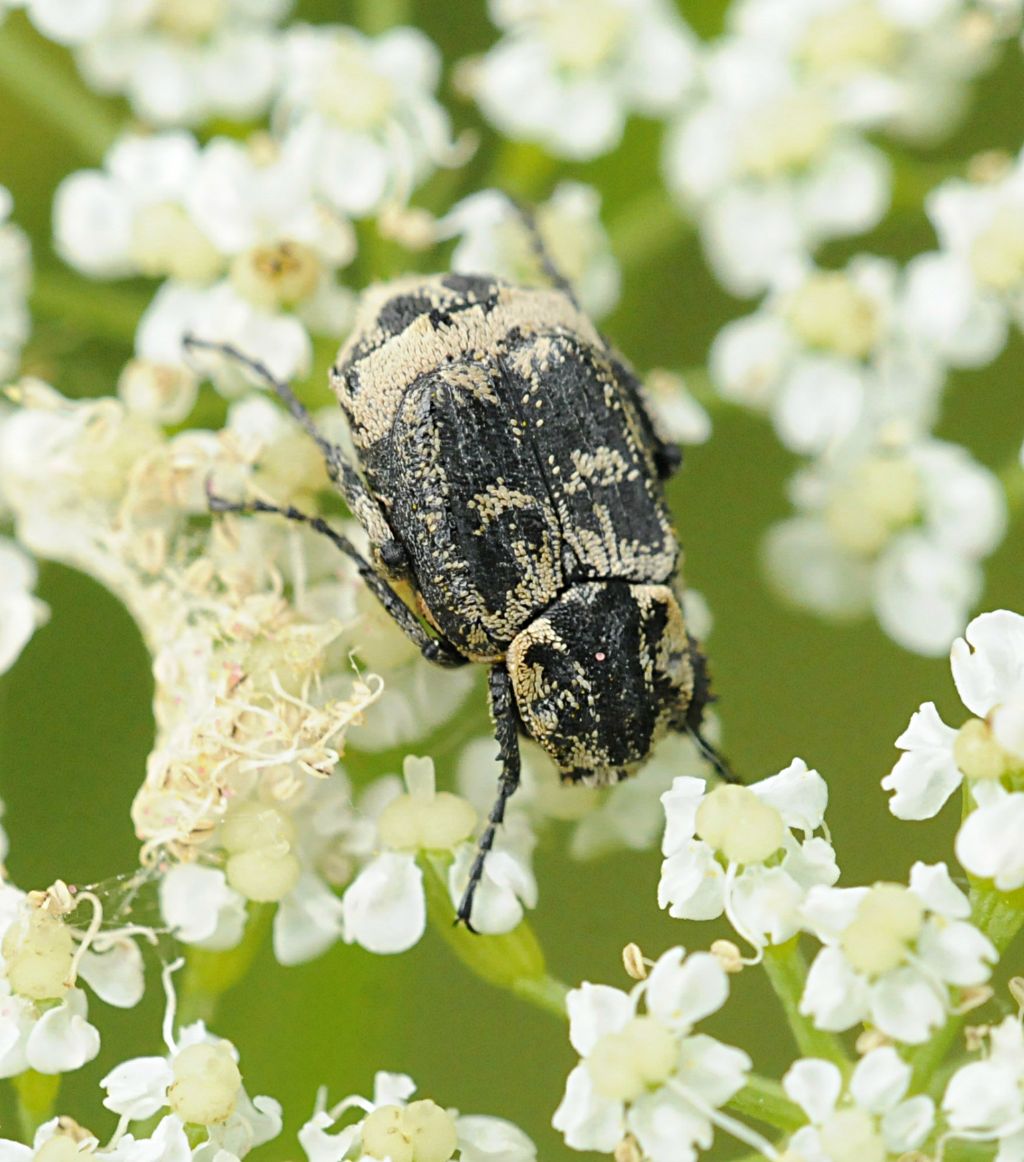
point(601, 675)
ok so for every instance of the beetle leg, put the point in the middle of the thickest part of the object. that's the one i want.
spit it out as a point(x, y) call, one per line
point(344, 477)
point(506, 718)
point(433, 649)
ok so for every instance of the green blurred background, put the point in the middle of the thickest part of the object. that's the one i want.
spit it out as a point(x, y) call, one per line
point(75, 722)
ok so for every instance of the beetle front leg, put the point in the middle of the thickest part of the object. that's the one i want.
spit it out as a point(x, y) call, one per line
point(433, 649)
point(506, 724)
point(342, 475)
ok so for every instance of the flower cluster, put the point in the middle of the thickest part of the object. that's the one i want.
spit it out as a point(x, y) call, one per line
point(736, 850)
point(567, 74)
point(647, 1074)
point(179, 62)
point(396, 1129)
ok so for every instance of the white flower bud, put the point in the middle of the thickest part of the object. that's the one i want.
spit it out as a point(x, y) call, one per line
point(420, 1132)
point(38, 949)
point(623, 1065)
point(206, 1083)
point(977, 753)
point(734, 821)
point(888, 921)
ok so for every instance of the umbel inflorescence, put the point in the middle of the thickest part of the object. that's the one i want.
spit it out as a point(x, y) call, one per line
point(234, 174)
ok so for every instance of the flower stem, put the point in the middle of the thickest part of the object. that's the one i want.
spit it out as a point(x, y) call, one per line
point(766, 1100)
point(37, 1096)
point(37, 76)
point(1000, 915)
point(208, 975)
point(512, 961)
point(787, 973)
point(1012, 479)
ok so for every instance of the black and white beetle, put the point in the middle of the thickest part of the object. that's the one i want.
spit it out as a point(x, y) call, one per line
point(509, 471)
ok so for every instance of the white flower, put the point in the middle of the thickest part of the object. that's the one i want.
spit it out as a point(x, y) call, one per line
point(983, 1100)
point(15, 282)
point(648, 1073)
point(218, 314)
point(892, 954)
point(963, 298)
point(178, 62)
point(826, 352)
point(394, 1127)
point(893, 522)
point(567, 74)
point(20, 613)
point(361, 115)
point(987, 843)
point(872, 1119)
point(770, 164)
point(988, 669)
point(384, 909)
point(200, 908)
point(200, 1083)
point(493, 239)
point(750, 852)
point(130, 217)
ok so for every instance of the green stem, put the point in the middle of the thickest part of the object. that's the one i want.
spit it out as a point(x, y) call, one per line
point(1000, 915)
point(209, 975)
point(37, 1096)
point(63, 297)
point(1012, 479)
point(513, 961)
point(787, 972)
point(39, 79)
point(765, 1100)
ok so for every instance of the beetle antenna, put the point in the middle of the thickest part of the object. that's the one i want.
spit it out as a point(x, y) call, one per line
point(540, 249)
point(281, 389)
point(709, 754)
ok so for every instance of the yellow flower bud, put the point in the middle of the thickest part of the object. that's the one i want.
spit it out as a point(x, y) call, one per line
point(977, 753)
point(38, 949)
point(206, 1083)
point(734, 821)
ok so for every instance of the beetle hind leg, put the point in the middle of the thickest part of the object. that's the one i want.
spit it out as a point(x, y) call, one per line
point(433, 649)
point(503, 710)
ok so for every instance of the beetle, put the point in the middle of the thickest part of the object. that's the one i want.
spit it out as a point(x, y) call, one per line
point(507, 469)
